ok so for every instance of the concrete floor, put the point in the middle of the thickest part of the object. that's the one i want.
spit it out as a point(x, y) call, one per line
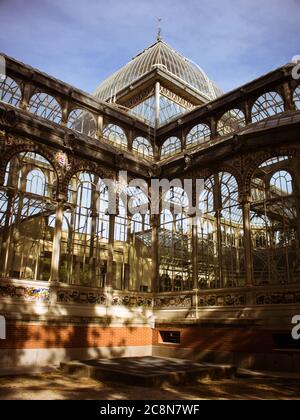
point(58, 386)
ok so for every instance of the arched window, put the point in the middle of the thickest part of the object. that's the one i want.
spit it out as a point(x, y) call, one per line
point(36, 182)
point(175, 251)
point(229, 193)
point(272, 162)
point(116, 135)
point(231, 222)
point(297, 97)
point(206, 199)
point(136, 223)
point(267, 105)
point(177, 196)
point(45, 106)
point(273, 223)
point(171, 146)
point(83, 203)
point(27, 215)
point(281, 184)
point(88, 192)
point(32, 172)
point(231, 121)
point(143, 147)
point(221, 260)
point(86, 231)
point(197, 135)
point(83, 122)
point(138, 200)
point(10, 91)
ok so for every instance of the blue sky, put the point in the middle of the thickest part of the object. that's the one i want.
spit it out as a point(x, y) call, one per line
point(82, 42)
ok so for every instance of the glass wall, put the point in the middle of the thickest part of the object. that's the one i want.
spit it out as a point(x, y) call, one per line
point(274, 224)
point(27, 212)
point(175, 243)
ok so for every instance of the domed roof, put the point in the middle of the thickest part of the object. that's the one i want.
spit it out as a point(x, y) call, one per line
point(159, 55)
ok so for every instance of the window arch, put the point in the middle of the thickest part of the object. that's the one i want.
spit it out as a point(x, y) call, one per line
point(83, 122)
point(273, 223)
point(138, 200)
point(45, 106)
point(90, 196)
point(198, 134)
point(231, 224)
point(229, 193)
point(272, 162)
point(171, 146)
point(10, 91)
point(30, 173)
point(36, 182)
point(136, 223)
point(175, 247)
point(86, 231)
point(281, 184)
point(297, 97)
point(143, 147)
point(206, 199)
point(28, 215)
point(267, 105)
point(116, 135)
point(177, 196)
point(220, 250)
point(231, 121)
point(227, 185)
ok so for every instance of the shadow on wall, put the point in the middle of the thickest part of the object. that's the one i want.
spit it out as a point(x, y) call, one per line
point(38, 340)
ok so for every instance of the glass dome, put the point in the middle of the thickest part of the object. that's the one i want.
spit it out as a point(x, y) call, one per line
point(159, 55)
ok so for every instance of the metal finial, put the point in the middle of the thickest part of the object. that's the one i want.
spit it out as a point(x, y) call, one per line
point(159, 37)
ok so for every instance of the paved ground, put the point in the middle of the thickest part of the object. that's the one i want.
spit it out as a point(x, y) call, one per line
point(55, 385)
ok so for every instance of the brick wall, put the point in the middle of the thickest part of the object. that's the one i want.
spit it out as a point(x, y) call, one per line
point(29, 336)
point(221, 339)
point(35, 336)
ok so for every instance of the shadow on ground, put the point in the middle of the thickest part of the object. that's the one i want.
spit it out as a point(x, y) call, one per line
point(55, 385)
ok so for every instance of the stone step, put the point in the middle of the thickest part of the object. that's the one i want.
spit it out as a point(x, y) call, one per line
point(147, 371)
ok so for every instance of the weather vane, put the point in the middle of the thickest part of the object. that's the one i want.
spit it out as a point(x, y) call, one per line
point(159, 29)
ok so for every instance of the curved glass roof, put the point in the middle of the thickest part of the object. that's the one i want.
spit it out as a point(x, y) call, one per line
point(155, 56)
